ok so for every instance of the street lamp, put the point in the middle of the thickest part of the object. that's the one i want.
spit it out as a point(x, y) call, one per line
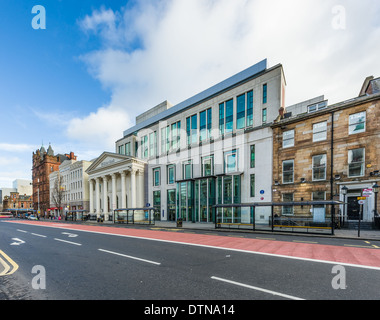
point(344, 192)
point(375, 189)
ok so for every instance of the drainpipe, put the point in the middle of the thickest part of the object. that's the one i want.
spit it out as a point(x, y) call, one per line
point(332, 174)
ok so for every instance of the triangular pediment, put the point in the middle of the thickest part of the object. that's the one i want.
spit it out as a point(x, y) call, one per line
point(107, 159)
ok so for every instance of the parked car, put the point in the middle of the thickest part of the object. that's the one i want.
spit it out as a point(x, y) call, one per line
point(32, 217)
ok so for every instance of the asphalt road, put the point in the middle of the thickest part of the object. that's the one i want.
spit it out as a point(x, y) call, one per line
point(43, 263)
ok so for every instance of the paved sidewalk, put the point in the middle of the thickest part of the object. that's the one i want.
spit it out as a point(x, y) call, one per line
point(338, 233)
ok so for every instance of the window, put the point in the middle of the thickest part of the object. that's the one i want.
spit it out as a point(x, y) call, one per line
point(192, 129)
point(317, 106)
point(252, 159)
point(287, 210)
point(240, 112)
point(288, 171)
point(357, 123)
point(221, 118)
point(252, 187)
point(165, 134)
point(171, 173)
point(265, 93)
point(264, 116)
point(156, 177)
point(121, 149)
point(175, 135)
point(144, 147)
point(356, 159)
point(319, 167)
point(207, 166)
point(229, 116)
point(128, 149)
point(320, 131)
point(230, 161)
point(187, 170)
point(288, 139)
point(244, 110)
point(153, 144)
point(205, 122)
point(226, 117)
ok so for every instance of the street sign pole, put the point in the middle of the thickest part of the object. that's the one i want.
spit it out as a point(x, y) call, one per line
point(360, 217)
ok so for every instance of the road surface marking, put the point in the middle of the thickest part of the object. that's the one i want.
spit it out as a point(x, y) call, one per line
point(130, 257)
point(299, 241)
point(74, 243)
point(6, 267)
point(22, 231)
point(67, 227)
point(257, 289)
point(38, 235)
point(17, 242)
point(14, 264)
point(71, 235)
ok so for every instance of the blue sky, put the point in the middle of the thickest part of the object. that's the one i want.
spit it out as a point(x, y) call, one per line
point(80, 83)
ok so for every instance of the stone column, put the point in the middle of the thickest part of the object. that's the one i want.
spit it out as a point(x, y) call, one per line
point(133, 188)
point(113, 191)
point(105, 202)
point(123, 193)
point(97, 197)
point(91, 196)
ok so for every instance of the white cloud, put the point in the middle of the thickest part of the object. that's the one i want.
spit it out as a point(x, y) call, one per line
point(170, 50)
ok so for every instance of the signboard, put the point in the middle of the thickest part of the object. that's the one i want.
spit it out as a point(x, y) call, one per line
point(362, 198)
point(319, 215)
point(367, 192)
point(361, 201)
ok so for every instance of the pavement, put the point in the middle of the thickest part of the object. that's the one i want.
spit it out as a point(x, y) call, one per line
point(373, 235)
point(338, 233)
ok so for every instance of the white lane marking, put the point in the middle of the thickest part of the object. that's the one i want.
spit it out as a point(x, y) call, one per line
point(212, 247)
point(22, 231)
point(74, 243)
point(257, 289)
point(130, 257)
point(17, 242)
point(71, 235)
point(38, 235)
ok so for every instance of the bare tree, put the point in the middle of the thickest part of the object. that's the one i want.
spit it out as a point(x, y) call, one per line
point(58, 193)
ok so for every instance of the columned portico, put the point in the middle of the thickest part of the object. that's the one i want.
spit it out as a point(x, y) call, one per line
point(115, 182)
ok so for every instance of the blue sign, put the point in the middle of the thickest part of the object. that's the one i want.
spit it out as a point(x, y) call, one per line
point(262, 192)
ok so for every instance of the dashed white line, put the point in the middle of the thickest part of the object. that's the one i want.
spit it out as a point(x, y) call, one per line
point(257, 289)
point(74, 243)
point(130, 257)
point(39, 235)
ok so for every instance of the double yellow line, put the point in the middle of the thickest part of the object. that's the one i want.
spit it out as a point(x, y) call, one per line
point(7, 263)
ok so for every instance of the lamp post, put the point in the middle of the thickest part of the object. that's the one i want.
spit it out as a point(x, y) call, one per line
point(375, 189)
point(344, 192)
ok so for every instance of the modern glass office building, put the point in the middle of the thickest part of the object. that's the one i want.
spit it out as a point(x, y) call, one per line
point(214, 148)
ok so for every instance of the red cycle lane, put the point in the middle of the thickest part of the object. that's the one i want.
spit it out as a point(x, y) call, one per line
point(364, 257)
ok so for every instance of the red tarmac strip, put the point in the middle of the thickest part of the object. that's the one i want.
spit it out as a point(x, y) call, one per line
point(335, 254)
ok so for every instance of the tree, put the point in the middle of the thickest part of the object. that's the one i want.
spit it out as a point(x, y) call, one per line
point(58, 193)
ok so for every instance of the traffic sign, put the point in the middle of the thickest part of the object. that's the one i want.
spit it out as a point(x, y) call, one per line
point(362, 198)
point(361, 201)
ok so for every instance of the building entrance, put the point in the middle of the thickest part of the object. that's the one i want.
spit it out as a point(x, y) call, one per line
point(353, 208)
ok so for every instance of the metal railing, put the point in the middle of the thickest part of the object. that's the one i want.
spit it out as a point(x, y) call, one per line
point(144, 216)
point(301, 217)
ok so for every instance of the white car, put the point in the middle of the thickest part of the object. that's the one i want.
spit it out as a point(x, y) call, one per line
point(32, 217)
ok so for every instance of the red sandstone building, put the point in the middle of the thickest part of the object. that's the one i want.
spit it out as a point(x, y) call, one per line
point(45, 162)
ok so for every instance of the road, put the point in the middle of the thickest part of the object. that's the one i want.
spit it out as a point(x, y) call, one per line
point(51, 261)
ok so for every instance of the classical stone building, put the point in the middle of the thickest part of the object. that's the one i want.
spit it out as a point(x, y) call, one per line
point(320, 150)
point(44, 163)
point(116, 182)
